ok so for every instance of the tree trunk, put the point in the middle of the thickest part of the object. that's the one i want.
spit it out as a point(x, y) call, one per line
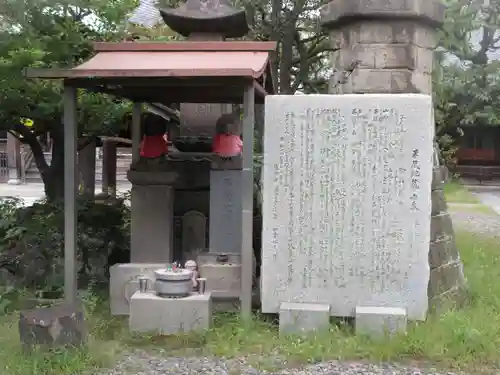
point(53, 175)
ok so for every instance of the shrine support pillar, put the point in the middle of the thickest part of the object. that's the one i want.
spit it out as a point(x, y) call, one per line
point(70, 192)
point(393, 44)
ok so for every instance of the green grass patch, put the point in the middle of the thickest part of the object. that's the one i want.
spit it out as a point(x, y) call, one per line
point(456, 193)
point(472, 207)
point(467, 339)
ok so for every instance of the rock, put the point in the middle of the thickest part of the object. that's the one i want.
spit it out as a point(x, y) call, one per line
point(60, 325)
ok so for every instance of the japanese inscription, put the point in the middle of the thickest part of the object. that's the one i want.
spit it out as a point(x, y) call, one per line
point(346, 201)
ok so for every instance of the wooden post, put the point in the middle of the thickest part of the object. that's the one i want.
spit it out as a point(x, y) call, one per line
point(70, 192)
point(109, 168)
point(87, 168)
point(13, 159)
point(136, 131)
point(247, 203)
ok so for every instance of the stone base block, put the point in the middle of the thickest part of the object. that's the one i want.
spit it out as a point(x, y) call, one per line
point(60, 325)
point(123, 283)
point(168, 316)
point(303, 317)
point(377, 321)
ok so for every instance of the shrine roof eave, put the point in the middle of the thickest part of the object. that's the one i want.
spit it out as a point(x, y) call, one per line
point(190, 91)
point(171, 64)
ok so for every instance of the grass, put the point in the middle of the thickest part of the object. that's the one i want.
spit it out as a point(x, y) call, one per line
point(466, 339)
point(472, 207)
point(456, 193)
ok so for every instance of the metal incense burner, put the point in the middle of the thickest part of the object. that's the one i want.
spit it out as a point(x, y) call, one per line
point(173, 283)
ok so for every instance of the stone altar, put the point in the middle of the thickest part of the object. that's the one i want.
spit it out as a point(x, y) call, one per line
point(347, 202)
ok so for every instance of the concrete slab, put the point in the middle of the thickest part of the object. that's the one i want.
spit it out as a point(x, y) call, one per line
point(377, 321)
point(300, 318)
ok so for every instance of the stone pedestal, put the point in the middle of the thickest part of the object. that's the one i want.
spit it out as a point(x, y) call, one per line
point(124, 283)
point(380, 321)
point(393, 43)
point(303, 318)
point(169, 316)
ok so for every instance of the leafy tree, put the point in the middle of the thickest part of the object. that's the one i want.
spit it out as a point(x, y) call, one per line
point(466, 77)
point(52, 34)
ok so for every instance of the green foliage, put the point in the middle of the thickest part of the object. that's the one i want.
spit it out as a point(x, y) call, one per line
point(32, 241)
point(54, 34)
point(466, 79)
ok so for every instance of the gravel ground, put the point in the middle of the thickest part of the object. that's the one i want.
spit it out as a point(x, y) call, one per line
point(141, 363)
point(473, 221)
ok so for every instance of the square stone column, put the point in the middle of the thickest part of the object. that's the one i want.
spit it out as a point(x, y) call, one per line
point(393, 43)
point(152, 207)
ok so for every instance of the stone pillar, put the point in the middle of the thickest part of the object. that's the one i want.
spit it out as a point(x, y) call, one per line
point(87, 169)
point(14, 159)
point(152, 207)
point(392, 43)
point(109, 168)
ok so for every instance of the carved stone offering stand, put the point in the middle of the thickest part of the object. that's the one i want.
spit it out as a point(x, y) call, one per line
point(173, 307)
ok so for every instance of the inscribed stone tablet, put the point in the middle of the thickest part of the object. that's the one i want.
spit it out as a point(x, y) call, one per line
point(225, 211)
point(346, 201)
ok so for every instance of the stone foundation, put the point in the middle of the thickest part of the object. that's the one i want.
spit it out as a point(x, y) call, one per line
point(379, 321)
point(303, 318)
point(167, 316)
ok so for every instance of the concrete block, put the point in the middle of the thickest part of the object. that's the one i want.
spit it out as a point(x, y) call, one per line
point(377, 321)
point(303, 317)
point(123, 283)
point(168, 316)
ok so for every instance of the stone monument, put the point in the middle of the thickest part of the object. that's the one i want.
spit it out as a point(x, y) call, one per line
point(347, 207)
point(393, 43)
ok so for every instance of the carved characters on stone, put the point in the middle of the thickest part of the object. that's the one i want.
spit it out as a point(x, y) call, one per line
point(346, 201)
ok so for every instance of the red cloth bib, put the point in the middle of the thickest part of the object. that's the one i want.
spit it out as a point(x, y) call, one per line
point(227, 145)
point(153, 146)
